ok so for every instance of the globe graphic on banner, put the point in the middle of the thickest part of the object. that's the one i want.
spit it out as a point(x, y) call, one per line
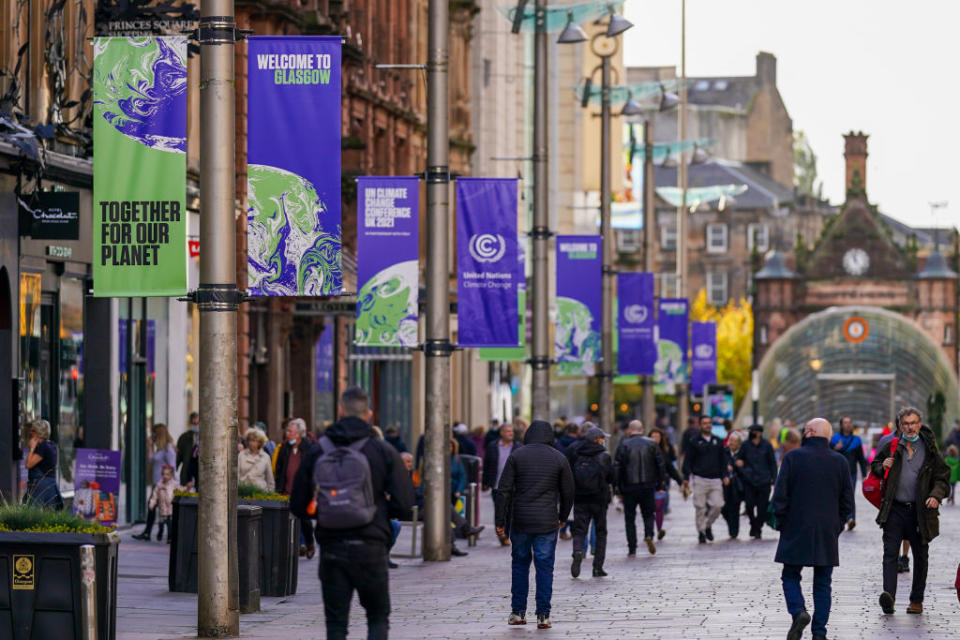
point(669, 369)
point(389, 305)
point(575, 338)
point(141, 92)
point(288, 251)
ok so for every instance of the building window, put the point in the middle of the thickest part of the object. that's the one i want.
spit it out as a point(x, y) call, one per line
point(668, 238)
point(948, 334)
point(716, 238)
point(629, 240)
point(757, 233)
point(764, 338)
point(668, 285)
point(717, 288)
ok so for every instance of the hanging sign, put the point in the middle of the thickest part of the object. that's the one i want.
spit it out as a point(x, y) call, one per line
point(96, 482)
point(637, 351)
point(488, 264)
point(293, 166)
point(139, 168)
point(388, 276)
point(703, 365)
point(50, 215)
point(579, 303)
point(671, 367)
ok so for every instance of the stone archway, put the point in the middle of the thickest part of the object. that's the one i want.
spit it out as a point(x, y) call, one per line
point(820, 367)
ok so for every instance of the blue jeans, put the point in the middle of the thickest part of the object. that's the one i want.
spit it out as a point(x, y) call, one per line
point(821, 594)
point(541, 549)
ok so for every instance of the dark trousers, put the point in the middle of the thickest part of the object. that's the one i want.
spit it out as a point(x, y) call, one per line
point(853, 483)
point(757, 499)
point(902, 525)
point(643, 498)
point(583, 513)
point(355, 565)
point(306, 532)
point(821, 594)
point(541, 549)
point(732, 497)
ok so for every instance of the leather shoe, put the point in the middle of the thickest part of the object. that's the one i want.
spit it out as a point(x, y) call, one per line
point(475, 531)
point(915, 607)
point(800, 622)
point(457, 552)
point(886, 602)
point(709, 534)
point(141, 536)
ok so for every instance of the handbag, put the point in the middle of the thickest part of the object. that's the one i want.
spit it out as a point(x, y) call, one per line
point(873, 486)
point(772, 521)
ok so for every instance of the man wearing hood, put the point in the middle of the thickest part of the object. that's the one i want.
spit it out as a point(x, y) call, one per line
point(918, 481)
point(811, 501)
point(356, 558)
point(592, 476)
point(535, 480)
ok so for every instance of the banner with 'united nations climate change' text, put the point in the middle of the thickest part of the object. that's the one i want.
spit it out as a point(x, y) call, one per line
point(637, 351)
point(139, 166)
point(703, 364)
point(293, 166)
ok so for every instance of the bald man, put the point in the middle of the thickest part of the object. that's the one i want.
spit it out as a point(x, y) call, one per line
point(812, 500)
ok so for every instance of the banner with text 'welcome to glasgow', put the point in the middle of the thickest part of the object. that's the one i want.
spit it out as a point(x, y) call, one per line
point(488, 264)
point(672, 327)
point(387, 261)
point(140, 166)
point(579, 303)
point(293, 166)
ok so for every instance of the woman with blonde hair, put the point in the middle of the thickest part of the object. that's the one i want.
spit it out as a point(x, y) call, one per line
point(253, 463)
point(163, 454)
point(41, 463)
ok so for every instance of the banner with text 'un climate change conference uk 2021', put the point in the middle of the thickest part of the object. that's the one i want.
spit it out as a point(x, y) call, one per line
point(387, 261)
point(139, 166)
point(293, 166)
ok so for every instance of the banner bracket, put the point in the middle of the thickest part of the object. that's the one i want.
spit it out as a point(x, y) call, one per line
point(540, 232)
point(608, 270)
point(540, 362)
point(438, 174)
point(218, 30)
point(217, 297)
point(437, 348)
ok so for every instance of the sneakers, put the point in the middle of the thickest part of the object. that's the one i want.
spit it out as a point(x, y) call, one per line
point(886, 602)
point(598, 572)
point(517, 618)
point(915, 607)
point(800, 622)
point(650, 547)
point(709, 534)
point(543, 621)
point(851, 523)
point(903, 564)
point(661, 533)
point(575, 567)
point(703, 538)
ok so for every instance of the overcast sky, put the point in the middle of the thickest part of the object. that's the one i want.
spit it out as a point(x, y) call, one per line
point(886, 68)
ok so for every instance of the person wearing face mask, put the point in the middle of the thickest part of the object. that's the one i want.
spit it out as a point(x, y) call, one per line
point(918, 481)
point(295, 448)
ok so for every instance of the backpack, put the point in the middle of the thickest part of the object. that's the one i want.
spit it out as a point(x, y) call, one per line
point(588, 476)
point(343, 486)
point(873, 486)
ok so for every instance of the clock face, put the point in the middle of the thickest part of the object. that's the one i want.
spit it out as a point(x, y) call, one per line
point(856, 262)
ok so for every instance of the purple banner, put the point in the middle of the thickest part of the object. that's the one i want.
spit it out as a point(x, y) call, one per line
point(324, 360)
point(293, 166)
point(637, 353)
point(703, 365)
point(96, 482)
point(388, 274)
point(488, 264)
point(671, 367)
point(579, 301)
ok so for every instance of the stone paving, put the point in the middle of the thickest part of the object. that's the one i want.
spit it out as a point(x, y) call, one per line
point(728, 589)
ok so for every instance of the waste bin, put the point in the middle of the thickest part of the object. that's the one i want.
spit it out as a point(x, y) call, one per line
point(248, 556)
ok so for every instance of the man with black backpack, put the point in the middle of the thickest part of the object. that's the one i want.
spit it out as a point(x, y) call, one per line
point(344, 483)
point(641, 469)
point(592, 477)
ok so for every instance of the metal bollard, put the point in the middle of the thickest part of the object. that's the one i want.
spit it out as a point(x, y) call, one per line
point(88, 591)
point(473, 510)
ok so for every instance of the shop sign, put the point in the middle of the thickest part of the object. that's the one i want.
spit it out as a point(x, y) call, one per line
point(138, 18)
point(24, 570)
point(55, 251)
point(50, 215)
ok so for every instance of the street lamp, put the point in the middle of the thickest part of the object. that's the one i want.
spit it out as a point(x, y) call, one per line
point(631, 107)
point(572, 33)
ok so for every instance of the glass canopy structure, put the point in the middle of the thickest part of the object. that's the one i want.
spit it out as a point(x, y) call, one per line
point(865, 362)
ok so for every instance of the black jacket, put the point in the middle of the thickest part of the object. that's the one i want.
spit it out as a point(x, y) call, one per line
point(640, 464)
point(704, 458)
point(587, 449)
point(669, 458)
point(812, 500)
point(537, 484)
point(387, 474)
point(491, 462)
point(759, 463)
point(933, 482)
point(185, 444)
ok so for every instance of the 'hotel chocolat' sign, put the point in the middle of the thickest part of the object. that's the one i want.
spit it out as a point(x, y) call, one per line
point(137, 18)
point(50, 215)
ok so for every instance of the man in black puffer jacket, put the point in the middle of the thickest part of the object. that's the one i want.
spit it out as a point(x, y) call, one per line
point(641, 469)
point(535, 480)
point(356, 559)
point(592, 476)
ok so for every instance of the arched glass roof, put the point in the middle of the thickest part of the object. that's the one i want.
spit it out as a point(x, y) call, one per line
point(814, 370)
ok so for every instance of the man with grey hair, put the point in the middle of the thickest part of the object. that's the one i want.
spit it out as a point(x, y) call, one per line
point(811, 501)
point(295, 447)
point(917, 481)
point(640, 470)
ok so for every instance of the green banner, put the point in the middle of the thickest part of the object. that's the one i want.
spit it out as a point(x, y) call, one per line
point(139, 166)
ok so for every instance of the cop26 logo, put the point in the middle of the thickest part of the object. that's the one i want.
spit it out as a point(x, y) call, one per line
point(487, 247)
point(703, 351)
point(635, 314)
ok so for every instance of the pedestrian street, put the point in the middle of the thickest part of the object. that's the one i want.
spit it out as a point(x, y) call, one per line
point(687, 591)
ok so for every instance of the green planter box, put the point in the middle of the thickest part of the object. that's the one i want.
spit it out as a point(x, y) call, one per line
point(40, 579)
point(279, 548)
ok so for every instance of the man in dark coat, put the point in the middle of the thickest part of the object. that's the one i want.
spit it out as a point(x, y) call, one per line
point(757, 465)
point(918, 481)
point(640, 470)
point(849, 445)
point(356, 559)
point(592, 476)
point(535, 480)
point(811, 501)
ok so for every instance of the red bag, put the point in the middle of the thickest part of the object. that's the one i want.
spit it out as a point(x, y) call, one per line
point(873, 486)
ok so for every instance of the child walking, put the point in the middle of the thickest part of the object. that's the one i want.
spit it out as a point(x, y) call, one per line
point(162, 500)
